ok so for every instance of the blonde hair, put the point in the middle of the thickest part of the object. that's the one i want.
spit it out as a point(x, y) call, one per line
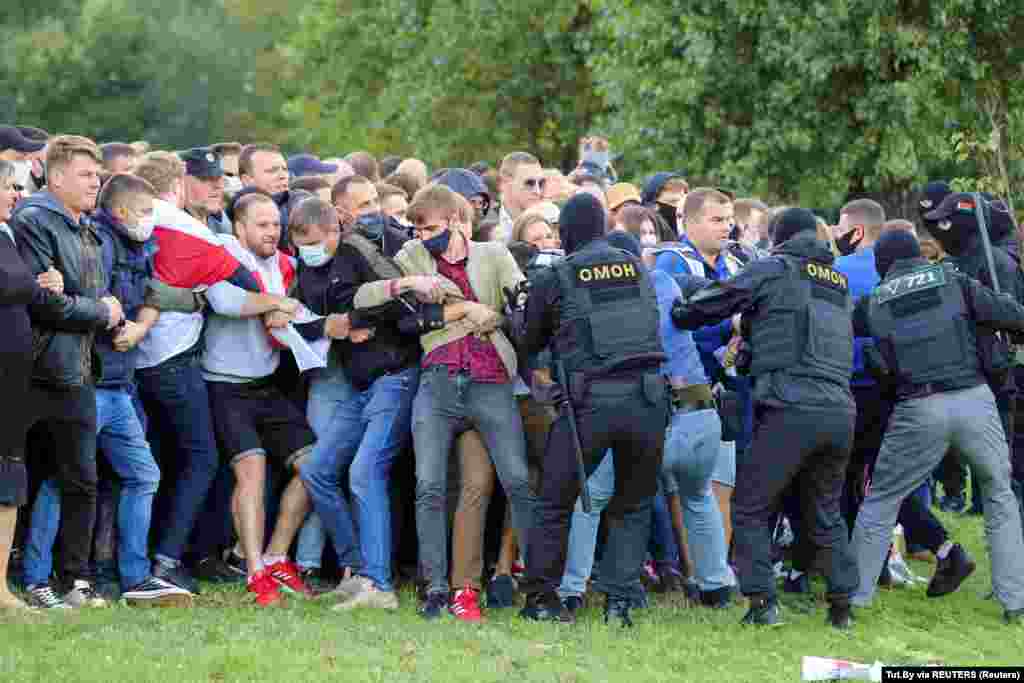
point(161, 170)
point(523, 223)
point(64, 148)
point(438, 198)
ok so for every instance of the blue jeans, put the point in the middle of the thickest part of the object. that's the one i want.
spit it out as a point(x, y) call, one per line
point(121, 440)
point(444, 406)
point(365, 435)
point(328, 389)
point(663, 547)
point(692, 447)
point(181, 432)
point(579, 560)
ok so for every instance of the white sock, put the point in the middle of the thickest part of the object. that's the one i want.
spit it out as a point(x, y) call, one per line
point(943, 550)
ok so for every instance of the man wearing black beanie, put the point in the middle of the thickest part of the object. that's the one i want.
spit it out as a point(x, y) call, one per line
point(598, 310)
point(796, 321)
point(924, 320)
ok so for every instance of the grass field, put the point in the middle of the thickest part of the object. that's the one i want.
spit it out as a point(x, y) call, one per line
point(224, 639)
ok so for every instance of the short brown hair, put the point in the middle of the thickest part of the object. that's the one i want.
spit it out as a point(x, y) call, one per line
point(511, 163)
point(744, 207)
point(633, 218)
point(407, 182)
point(435, 198)
point(899, 224)
point(311, 211)
point(309, 183)
point(244, 205)
point(64, 148)
point(227, 149)
point(523, 224)
point(245, 157)
point(341, 187)
point(385, 190)
point(161, 169)
point(123, 185)
point(866, 212)
point(693, 205)
point(365, 164)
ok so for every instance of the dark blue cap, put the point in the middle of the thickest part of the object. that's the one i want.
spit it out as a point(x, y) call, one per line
point(201, 162)
point(307, 164)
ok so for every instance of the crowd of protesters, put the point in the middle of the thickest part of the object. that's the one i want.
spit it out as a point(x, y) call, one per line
point(295, 373)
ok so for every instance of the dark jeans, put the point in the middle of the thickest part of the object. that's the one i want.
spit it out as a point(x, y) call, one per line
point(612, 415)
point(811, 448)
point(181, 434)
point(70, 416)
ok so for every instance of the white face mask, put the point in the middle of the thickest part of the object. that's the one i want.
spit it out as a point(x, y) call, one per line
point(22, 173)
point(314, 255)
point(140, 232)
point(232, 184)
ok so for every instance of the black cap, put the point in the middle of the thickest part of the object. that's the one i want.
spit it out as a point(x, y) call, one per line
point(952, 206)
point(201, 162)
point(11, 137)
point(792, 221)
point(893, 246)
point(582, 220)
point(933, 194)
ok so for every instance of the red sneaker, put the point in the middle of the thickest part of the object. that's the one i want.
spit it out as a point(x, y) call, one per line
point(265, 588)
point(518, 570)
point(466, 605)
point(286, 574)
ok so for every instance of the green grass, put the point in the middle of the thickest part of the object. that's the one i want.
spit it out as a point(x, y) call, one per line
point(223, 639)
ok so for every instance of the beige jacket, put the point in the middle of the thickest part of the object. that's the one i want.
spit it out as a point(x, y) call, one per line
point(490, 267)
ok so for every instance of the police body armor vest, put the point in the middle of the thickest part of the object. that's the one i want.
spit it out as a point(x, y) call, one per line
point(923, 327)
point(806, 325)
point(609, 312)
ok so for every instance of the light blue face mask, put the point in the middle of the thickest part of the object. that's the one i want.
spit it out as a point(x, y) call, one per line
point(314, 255)
point(599, 159)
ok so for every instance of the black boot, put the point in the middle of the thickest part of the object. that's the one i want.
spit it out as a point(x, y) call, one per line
point(720, 598)
point(617, 610)
point(951, 572)
point(546, 607)
point(764, 611)
point(840, 614)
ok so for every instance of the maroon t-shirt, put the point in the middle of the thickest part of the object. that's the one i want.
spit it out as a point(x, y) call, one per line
point(471, 353)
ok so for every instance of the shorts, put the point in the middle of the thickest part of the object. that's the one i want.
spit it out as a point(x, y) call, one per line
point(725, 467)
point(255, 418)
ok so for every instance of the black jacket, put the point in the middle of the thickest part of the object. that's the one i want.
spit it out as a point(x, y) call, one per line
point(63, 325)
point(18, 289)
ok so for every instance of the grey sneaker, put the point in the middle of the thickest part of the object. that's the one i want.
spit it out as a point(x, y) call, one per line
point(42, 596)
point(345, 589)
point(367, 595)
point(154, 592)
point(82, 594)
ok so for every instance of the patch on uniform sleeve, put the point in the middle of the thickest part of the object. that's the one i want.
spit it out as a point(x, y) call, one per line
point(608, 275)
point(823, 275)
point(921, 279)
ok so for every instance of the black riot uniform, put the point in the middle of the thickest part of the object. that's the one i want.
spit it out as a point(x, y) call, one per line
point(796, 317)
point(598, 311)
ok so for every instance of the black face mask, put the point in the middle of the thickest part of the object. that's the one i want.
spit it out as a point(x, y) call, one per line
point(372, 225)
point(846, 245)
point(668, 213)
point(438, 244)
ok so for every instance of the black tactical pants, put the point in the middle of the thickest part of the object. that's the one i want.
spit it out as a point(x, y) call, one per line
point(812, 449)
point(616, 415)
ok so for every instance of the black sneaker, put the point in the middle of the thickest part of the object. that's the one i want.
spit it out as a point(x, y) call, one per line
point(434, 606)
point(762, 612)
point(154, 592)
point(314, 580)
point(216, 570)
point(573, 604)
point(720, 598)
point(42, 596)
point(840, 616)
point(543, 607)
point(616, 611)
point(951, 572)
point(801, 584)
point(671, 581)
point(501, 592)
point(176, 575)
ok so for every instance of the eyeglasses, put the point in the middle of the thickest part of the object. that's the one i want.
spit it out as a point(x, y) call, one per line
point(535, 184)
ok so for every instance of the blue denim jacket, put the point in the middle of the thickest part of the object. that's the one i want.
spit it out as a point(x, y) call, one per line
point(683, 362)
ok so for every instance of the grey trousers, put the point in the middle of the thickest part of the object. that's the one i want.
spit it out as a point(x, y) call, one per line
point(919, 434)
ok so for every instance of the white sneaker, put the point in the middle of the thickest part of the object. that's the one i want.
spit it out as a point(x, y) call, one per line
point(82, 594)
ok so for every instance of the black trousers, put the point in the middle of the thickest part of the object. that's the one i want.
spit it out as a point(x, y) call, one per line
point(812, 449)
point(70, 417)
point(616, 415)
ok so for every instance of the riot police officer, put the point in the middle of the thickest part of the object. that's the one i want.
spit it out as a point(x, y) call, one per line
point(796, 319)
point(924, 320)
point(598, 311)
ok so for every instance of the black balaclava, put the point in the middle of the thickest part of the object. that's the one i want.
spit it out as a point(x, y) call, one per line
point(620, 239)
point(791, 222)
point(893, 246)
point(582, 220)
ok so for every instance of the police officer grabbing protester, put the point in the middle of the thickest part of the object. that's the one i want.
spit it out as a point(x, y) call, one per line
point(796, 320)
point(598, 311)
point(924, 318)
